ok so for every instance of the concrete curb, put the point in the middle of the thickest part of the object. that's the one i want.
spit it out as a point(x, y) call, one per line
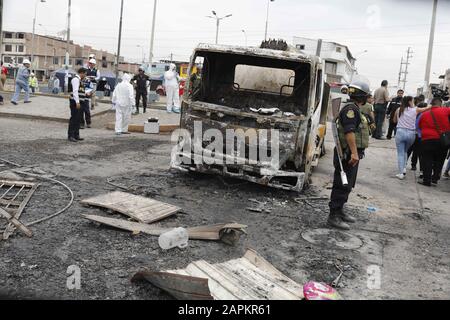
point(136, 128)
point(44, 118)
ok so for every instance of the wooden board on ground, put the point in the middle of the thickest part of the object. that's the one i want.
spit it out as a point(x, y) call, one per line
point(14, 197)
point(248, 278)
point(141, 209)
point(19, 225)
point(214, 233)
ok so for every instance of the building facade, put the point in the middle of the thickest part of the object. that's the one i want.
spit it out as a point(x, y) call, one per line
point(49, 53)
point(339, 61)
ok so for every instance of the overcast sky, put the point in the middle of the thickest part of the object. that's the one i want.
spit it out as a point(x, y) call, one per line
point(386, 28)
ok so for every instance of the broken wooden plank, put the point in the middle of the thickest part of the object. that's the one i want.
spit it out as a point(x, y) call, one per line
point(179, 286)
point(19, 225)
point(138, 208)
point(241, 279)
point(10, 228)
point(213, 233)
point(17, 183)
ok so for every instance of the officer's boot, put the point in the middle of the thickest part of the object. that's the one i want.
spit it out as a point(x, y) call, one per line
point(335, 221)
point(346, 217)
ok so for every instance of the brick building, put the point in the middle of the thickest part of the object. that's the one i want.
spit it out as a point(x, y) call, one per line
point(50, 52)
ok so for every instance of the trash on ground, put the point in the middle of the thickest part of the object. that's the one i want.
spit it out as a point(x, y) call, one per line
point(248, 278)
point(176, 238)
point(315, 291)
point(372, 209)
point(228, 233)
point(14, 197)
point(138, 208)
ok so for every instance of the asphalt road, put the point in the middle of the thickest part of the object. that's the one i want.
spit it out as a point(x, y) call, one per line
point(406, 239)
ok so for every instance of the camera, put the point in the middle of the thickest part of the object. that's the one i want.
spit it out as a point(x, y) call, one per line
point(439, 93)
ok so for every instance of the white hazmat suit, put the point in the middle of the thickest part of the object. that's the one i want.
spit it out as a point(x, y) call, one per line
point(171, 83)
point(124, 102)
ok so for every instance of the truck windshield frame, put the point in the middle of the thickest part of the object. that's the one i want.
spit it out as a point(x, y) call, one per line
point(216, 83)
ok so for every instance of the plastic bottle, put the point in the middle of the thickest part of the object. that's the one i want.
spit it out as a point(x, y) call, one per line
point(372, 209)
point(178, 237)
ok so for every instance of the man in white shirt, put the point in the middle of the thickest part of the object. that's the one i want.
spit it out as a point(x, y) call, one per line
point(79, 97)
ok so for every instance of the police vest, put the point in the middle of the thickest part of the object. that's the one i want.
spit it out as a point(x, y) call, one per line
point(92, 73)
point(81, 90)
point(362, 132)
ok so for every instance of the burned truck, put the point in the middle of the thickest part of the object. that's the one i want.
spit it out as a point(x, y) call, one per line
point(253, 114)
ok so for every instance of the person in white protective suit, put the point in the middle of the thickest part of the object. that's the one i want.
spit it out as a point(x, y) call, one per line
point(171, 83)
point(123, 100)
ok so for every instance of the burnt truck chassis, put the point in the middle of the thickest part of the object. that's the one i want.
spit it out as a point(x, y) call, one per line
point(301, 132)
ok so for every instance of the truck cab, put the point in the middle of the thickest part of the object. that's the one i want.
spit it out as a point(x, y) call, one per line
point(273, 104)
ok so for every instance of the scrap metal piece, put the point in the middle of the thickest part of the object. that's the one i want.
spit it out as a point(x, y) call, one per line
point(248, 278)
point(227, 233)
point(138, 208)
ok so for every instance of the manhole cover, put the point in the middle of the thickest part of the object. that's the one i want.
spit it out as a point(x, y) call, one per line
point(327, 237)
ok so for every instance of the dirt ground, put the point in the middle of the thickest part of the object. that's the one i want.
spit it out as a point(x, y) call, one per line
point(407, 237)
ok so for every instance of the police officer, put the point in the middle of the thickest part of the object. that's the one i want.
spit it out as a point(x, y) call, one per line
point(94, 76)
point(78, 100)
point(141, 82)
point(353, 129)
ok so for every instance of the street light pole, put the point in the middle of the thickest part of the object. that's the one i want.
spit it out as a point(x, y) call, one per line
point(34, 31)
point(218, 19)
point(143, 54)
point(430, 46)
point(120, 42)
point(152, 39)
point(245, 34)
point(267, 18)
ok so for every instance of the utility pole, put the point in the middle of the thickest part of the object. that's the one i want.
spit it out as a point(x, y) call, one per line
point(400, 73)
point(430, 46)
point(69, 16)
point(267, 19)
point(67, 62)
point(152, 39)
point(404, 66)
point(1, 30)
point(120, 42)
point(319, 48)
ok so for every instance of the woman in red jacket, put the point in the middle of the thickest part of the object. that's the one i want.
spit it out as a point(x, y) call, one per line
point(432, 124)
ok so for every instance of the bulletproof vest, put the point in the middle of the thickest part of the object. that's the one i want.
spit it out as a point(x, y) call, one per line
point(362, 132)
point(81, 90)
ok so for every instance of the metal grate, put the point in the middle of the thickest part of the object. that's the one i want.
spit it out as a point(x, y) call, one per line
point(14, 196)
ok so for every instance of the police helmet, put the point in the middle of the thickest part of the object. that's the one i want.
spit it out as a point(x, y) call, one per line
point(359, 88)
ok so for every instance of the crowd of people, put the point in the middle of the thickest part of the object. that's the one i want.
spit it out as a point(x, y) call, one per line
point(126, 97)
point(421, 132)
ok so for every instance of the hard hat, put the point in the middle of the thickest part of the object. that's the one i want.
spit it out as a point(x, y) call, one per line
point(26, 61)
point(32, 74)
point(359, 88)
point(92, 56)
point(93, 61)
point(344, 89)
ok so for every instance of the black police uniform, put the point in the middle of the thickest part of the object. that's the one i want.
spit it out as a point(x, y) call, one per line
point(393, 107)
point(75, 114)
point(350, 120)
point(141, 90)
